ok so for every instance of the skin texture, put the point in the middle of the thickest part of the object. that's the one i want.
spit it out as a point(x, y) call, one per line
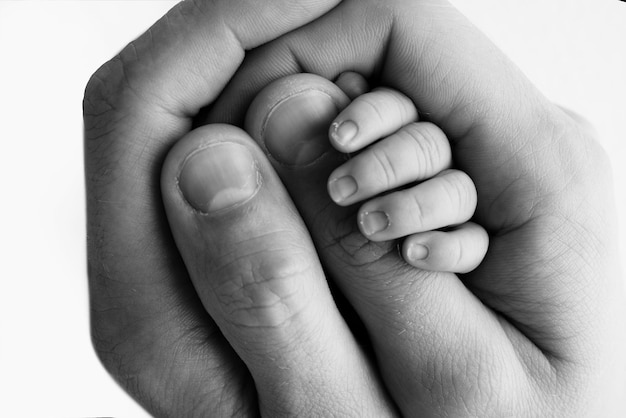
point(389, 154)
point(534, 331)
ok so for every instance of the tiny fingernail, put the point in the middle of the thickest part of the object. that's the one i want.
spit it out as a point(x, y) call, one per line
point(342, 188)
point(417, 252)
point(343, 132)
point(373, 222)
point(218, 177)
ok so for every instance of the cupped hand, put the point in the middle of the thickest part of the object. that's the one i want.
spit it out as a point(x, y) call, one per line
point(535, 330)
point(530, 333)
point(150, 326)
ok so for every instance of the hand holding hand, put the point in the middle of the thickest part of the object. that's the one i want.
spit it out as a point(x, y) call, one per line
point(528, 333)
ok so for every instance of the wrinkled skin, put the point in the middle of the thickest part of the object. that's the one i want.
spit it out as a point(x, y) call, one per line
point(187, 329)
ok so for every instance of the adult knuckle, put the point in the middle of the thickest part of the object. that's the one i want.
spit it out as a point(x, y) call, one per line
point(98, 100)
point(359, 253)
point(263, 293)
point(110, 107)
point(114, 89)
point(104, 87)
point(189, 10)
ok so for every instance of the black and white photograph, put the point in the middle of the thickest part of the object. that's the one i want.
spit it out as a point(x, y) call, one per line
point(313, 208)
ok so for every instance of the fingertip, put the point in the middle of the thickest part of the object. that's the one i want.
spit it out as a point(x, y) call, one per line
point(211, 169)
point(373, 224)
point(370, 117)
point(290, 118)
point(342, 132)
point(342, 188)
point(415, 252)
point(218, 177)
point(430, 251)
point(457, 251)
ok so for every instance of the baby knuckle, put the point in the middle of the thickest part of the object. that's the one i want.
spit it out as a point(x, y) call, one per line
point(420, 135)
point(461, 192)
point(465, 184)
point(453, 184)
point(371, 105)
point(401, 104)
point(430, 151)
point(419, 212)
point(388, 174)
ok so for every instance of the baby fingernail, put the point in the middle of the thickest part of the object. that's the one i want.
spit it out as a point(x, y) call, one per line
point(417, 252)
point(218, 177)
point(342, 188)
point(343, 132)
point(373, 222)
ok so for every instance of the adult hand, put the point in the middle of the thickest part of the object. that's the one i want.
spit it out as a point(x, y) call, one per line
point(531, 332)
point(149, 326)
point(536, 329)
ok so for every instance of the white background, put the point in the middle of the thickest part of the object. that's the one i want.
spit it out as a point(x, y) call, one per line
point(573, 50)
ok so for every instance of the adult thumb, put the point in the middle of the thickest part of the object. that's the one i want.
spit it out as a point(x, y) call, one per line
point(256, 271)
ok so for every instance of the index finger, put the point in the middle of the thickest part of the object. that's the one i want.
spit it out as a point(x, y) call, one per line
point(145, 313)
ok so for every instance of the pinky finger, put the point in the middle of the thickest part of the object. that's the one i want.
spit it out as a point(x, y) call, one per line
point(459, 250)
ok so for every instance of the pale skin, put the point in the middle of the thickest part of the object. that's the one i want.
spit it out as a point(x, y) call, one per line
point(209, 293)
point(393, 151)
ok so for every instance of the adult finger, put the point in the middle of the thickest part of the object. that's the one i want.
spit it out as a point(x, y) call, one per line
point(256, 270)
point(404, 309)
point(530, 162)
point(414, 317)
point(148, 325)
point(402, 46)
